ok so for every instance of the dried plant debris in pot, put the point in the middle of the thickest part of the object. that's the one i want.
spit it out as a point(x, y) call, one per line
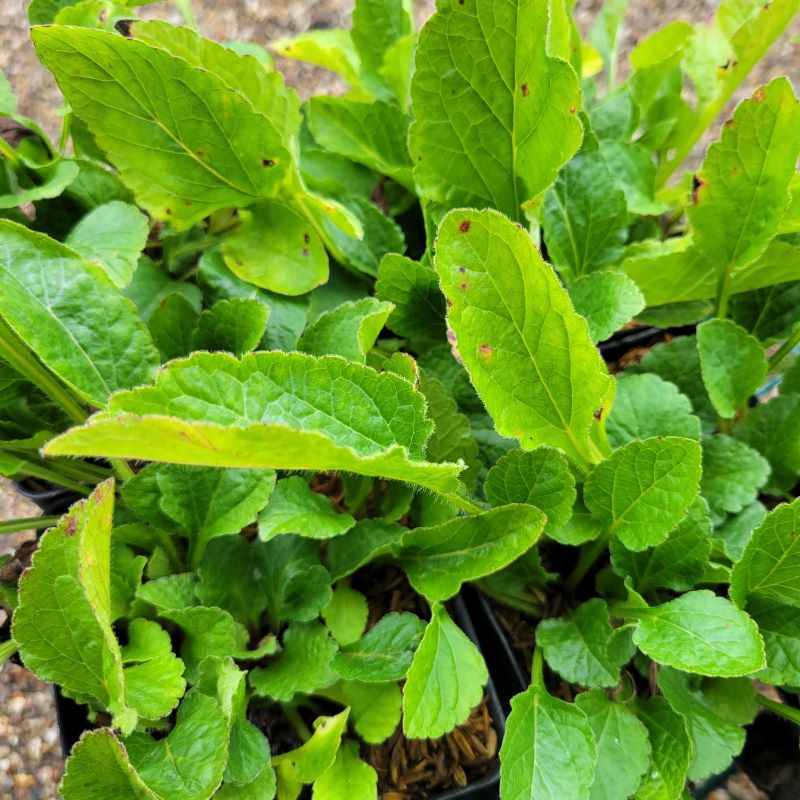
point(313, 367)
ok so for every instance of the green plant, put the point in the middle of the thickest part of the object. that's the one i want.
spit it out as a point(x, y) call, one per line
point(335, 318)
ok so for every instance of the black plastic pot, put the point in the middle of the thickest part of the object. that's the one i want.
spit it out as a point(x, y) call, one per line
point(50, 498)
point(504, 664)
point(643, 336)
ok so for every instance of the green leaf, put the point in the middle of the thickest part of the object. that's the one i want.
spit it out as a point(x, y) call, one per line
point(300, 412)
point(262, 787)
point(170, 766)
point(8, 103)
point(261, 84)
point(733, 364)
point(452, 437)
point(369, 539)
point(295, 585)
point(507, 106)
point(732, 474)
point(248, 751)
point(111, 236)
point(542, 383)
point(375, 708)
point(583, 648)
point(370, 133)
point(645, 406)
point(773, 429)
point(768, 567)
point(303, 666)
point(204, 502)
point(99, 767)
point(346, 614)
point(231, 577)
point(287, 315)
point(71, 314)
point(769, 313)
point(53, 180)
point(378, 26)
point(384, 653)
point(643, 490)
point(780, 626)
point(607, 300)
point(413, 289)
point(548, 751)
point(634, 172)
point(585, 216)
point(702, 633)
point(445, 681)
point(540, 478)
point(735, 532)
point(678, 362)
point(439, 559)
point(182, 158)
point(62, 624)
point(670, 751)
point(150, 286)
point(172, 326)
point(348, 776)
point(310, 761)
point(623, 747)
point(330, 48)
point(294, 508)
point(715, 741)
point(677, 563)
point(381, 235)
point(349, 330)
point(294, 260)
point(743, 183)
point(235, 325)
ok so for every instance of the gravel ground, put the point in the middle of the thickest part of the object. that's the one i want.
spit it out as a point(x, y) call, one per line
point(30, 755)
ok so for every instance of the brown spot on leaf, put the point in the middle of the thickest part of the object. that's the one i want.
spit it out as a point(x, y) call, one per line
point(464, 286)
point(572, 109)
point(759, 94)
point(525, 90)
point(306, 252)
point(485, 351)
point(72, 526)
point(598, 415)
point(267, 162)
point(187, 202)
point(697, 186)
point(167, 211)
point(462, 270)
point(200, 153)
point(306, 238)
point(125, 27)
point(464, 226)
point(239, 262)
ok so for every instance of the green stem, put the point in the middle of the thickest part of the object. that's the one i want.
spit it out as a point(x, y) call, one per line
point(297, 723)
point(537, 667)
point(165, 540)
point(27, 524)
point(589, 554)
point(7, 649)
point(121, 467)
point(787, 712)
point(8, 152)
point(20, 357)
point(34, 470)
point(784, 350)
point(185, 9)
point(463, 502)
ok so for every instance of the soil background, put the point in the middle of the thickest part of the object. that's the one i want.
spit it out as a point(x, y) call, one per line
point(30, 754)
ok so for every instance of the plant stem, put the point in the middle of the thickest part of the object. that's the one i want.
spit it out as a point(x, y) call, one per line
point(787, 712)
point(537, 667)
point(784, 350)
point(27, 523)
point(296, 720)
point(463, 502)
point(589, 554)
point(168, 545)
point(121, 467)
point(43, 472)
point(7, 649)
point(21, 359)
